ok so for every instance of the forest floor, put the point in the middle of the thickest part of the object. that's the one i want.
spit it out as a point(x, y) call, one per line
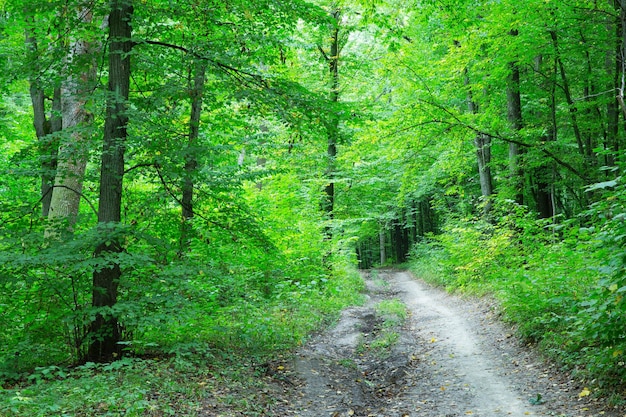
point(450, 356)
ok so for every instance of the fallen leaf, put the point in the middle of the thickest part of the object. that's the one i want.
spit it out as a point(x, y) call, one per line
point(585, 392)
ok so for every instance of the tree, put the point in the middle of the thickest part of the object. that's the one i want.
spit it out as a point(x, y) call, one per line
point(45, 126)
point(73, 151)
point(104, 329)
point(332, 122)
point(191, 162)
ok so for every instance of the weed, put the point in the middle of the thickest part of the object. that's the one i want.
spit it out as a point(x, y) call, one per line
point(384, 342)
point(348, 363)
point(393, 313)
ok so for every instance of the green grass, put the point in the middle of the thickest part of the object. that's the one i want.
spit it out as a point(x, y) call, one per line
point(393, 313)
point(384, 341)
point(211, 362)
point(561, 294)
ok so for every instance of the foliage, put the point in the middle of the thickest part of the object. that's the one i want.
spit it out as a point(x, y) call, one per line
point(552, 283)
point(235, 115)
point(210, 355)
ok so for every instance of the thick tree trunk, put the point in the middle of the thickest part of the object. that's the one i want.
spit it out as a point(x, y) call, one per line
point(191, 163)
point(104, 329)
point(74, 148)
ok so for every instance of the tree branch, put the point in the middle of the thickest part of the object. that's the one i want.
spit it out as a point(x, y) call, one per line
point(323, 53)
point(462, 124)
point(239, 74)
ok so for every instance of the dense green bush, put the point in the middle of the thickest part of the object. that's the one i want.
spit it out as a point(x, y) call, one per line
point(561, 285)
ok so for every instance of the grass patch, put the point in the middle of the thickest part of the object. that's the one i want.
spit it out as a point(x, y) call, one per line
point(384, 341)
point(393, 313)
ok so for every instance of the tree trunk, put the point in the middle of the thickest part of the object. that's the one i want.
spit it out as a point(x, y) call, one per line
point(544, 175)
point(568, 95)
point(44, 126)
point(191, 163)
point(333, 122)
point(74, 149)
point(514, 117)
point(482, 143)
point(613, 66)
point(381, 242)
point(104, 330)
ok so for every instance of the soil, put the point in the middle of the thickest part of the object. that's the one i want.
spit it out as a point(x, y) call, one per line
point(452, 357)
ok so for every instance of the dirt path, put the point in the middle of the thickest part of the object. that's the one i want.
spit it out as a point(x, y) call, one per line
point(450, 357)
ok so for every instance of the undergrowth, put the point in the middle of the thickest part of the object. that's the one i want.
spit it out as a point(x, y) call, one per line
point(209, 363)
point(561, 285)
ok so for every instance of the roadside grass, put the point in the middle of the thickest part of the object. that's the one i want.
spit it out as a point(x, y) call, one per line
point(558, 292)
point(213, 364)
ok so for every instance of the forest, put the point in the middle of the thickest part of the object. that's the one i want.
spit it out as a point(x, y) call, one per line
point(187, 186)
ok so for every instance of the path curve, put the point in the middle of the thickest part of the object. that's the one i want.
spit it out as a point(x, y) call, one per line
point(453, 357)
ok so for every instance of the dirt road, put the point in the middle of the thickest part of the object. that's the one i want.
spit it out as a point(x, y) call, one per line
point(450, 357)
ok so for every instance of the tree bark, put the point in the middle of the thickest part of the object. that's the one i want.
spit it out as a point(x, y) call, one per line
point(567, 92)
point(482, 143)
point(191, 162)
point(104, 330)
point(332, 127)
point(613, 65)
point(44, 126)
point(514, 116)
point(73, 150)
point(543, 176)
point(381, 241)
point(620, 73)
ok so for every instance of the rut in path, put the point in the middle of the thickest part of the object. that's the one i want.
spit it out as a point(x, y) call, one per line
point(452, 358)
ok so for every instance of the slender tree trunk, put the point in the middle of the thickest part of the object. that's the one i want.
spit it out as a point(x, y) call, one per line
point(73, 149)
point(482, 143)
point(514, 117)
point(333, 122)
point(191, 163)
point(620, 72)
point(543, 176)
point(613, 65)
point(44, 126)
point(381, 241)
point(104, 329)
point(568, 94)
